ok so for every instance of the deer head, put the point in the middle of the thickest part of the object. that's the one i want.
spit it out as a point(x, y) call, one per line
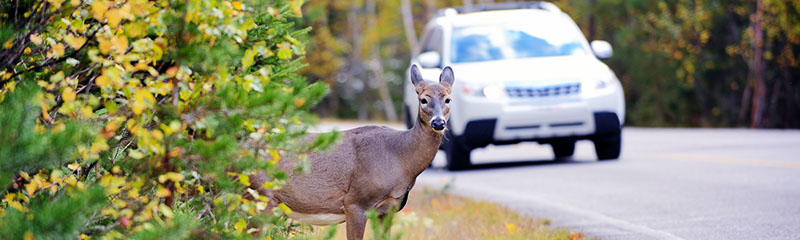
point(434, 99)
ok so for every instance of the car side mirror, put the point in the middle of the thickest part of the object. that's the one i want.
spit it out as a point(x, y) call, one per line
point(429, 59)
point(602, 49)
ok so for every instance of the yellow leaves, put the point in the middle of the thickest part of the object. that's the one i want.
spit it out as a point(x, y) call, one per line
point(57, 77)
point(102, 81)
point(435, 203)
point(25, 176)
point(268, 185)
point(56, 2)
point(142, 99)
point(511, 227)
point(71, 180)
point(114, 17)
point(8, 44)
point(200, 189)
point(104, 45)
point(174, 126)
point(275, 154)
point(28, 236)
point(171, 176)
point(119, 44)
point(135, 154)
point(98, 145)
point(16, 205)
point(166, 211)
point(109, 212)
point(284, 53)
point(135, 29)
point(99, 9)
point(296, 5)
point(172, 71)
point(30, 188)
point(58, 50)
point(133, 193)
point(27, 50)
point(285, 208)
point(175, 152)
point(247, 60)
point(75, 42)
point(237, 5)
point(68, 95)
point(244, 179)
point(299, 102)
point(73, 166)
point(240, 226)
point(35, 38)
point(163, 192)
point(704, 36)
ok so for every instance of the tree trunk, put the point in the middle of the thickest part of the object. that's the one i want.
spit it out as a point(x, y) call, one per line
point(430, 9)
point(377, 67)
point(354, 69)
point(592, 4)
point(408, 25)
point(759, 85)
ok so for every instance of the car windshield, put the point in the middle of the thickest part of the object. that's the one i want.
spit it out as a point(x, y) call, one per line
point(511, 40)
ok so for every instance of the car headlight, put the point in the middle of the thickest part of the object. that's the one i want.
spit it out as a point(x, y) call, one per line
point(603, 83)
point(600, 83)
point(491, 91)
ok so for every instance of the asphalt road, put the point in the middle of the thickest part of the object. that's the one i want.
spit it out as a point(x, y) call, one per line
point(668, 184)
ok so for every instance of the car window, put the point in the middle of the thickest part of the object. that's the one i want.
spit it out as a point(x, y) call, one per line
point(514, 39)
point(433, 41)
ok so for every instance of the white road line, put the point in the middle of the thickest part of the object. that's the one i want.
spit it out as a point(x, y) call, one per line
point(499, 195)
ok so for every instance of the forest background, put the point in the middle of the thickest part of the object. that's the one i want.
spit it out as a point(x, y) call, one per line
point(682, 63)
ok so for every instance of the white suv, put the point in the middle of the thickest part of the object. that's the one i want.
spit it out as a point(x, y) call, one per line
point(524, 72)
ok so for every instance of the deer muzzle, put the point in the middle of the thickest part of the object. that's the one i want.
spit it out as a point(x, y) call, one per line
point(438, 123)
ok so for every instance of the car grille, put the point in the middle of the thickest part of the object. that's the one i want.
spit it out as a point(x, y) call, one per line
point(544, 91)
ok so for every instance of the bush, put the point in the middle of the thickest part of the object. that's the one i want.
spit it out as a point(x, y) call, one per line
point(143, 119)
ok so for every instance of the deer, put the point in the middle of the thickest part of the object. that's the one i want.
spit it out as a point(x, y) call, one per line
point(369, 167)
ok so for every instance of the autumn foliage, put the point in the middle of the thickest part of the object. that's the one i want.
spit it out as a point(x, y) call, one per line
point(143, 119)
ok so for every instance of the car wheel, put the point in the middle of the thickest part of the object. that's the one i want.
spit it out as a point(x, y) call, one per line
point(608, 147)
point(458, 155)
point(563, 148)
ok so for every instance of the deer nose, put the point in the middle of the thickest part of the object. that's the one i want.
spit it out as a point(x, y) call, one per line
point(438, 124)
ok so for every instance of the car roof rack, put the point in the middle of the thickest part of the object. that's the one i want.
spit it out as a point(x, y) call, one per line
point(541, 5)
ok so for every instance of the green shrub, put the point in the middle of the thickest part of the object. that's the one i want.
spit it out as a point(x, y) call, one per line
point(143, 119)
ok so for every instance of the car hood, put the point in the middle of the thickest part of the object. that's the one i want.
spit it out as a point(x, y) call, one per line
point(546, 70)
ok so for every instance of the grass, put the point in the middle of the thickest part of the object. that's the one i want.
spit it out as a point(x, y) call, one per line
point(435, 214)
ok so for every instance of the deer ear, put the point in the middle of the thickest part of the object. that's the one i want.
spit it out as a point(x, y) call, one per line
point(447, 76)
point(416, 77)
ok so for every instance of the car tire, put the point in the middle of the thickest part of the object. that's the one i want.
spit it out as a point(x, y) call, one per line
point(608, 147)
point(563, 149)
point(458, 155)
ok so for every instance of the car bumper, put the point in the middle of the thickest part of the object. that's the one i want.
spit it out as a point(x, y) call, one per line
point(481, 122)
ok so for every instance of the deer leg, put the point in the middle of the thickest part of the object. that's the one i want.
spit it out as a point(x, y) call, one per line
point(356, 219)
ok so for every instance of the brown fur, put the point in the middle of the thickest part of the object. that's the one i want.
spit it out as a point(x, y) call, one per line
point(370, 167)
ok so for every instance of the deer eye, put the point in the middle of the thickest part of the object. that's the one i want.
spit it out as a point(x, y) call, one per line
point(423, 101)
point(447, 100)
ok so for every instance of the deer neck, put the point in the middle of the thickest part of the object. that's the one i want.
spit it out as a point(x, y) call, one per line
point(421, 146)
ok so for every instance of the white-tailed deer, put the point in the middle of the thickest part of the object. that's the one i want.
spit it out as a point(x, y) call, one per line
point(370, 167)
